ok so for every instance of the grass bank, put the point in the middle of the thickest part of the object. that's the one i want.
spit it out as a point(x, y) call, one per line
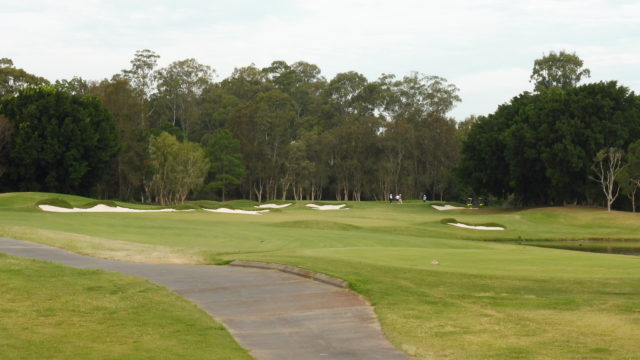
point(56, 312)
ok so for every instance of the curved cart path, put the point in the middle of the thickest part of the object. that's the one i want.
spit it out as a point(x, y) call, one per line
point(274, 315)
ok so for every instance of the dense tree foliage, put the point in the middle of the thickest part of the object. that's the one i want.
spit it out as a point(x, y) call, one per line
point(60, 142)
point(541, 147)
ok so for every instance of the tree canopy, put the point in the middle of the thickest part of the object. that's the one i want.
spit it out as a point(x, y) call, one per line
point(540, 147)
point(61, 142)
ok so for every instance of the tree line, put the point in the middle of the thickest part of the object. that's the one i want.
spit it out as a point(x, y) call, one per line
point(282, 131)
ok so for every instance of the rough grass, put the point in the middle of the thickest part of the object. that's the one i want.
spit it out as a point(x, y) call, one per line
point(485, 299)
point(56, 312)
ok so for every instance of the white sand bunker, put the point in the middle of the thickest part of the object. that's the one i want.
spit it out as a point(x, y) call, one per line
point(477, 227)
point(447, 207)
point(101, 208)
point(272, 206)
point(233, 211)
point(327, 207)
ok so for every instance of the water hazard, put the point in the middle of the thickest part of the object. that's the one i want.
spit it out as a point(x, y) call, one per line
point(620, 247)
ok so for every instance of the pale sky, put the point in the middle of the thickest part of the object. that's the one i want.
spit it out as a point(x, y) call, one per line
point(486, 48)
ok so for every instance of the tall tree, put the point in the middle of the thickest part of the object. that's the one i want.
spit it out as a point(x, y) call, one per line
point(562, 69)
point(13, 79)
point(179, 85)
point(143, 78)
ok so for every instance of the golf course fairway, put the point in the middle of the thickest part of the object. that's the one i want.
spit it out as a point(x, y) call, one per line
point(440, 291)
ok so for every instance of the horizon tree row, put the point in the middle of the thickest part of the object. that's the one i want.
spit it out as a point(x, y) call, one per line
point(283, 131)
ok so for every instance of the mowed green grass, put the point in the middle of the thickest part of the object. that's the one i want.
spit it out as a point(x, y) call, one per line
point(484, 300)
point(50, 311)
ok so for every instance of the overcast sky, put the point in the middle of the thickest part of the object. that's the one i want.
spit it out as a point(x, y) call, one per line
point(486, 48)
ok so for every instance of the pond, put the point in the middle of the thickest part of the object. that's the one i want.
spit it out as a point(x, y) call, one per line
point(621, 247)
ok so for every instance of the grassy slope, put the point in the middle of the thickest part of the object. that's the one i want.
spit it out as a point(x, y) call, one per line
point(485, 299)
point(55, 312)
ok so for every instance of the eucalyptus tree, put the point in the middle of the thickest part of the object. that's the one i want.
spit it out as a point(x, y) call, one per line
point(142, 76)
point(246, 83)
point(302, 81)
point(75, 86)
point(561, 69)
point(608, 163)
point(264, 127)
point(13, 79)
point(179, 85)
point(353, 126)
point(214, 108)
point(298, 170)
point(418, 105)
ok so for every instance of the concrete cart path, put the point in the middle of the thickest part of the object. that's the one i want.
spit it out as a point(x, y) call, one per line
point(276, 316)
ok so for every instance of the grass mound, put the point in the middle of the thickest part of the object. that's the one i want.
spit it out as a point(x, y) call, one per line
point(278, 202)
point(55, 202)
point(94, 203)
point(323, 203)
point(448, 221)
point(233, 204)
point(186, 207)
point(317, 225)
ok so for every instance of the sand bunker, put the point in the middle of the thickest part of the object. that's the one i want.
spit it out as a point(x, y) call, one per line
point(232, 211)
point(272, 206)
point(327, 207)
point(477, 227)
point(101, 208)
point(447, 207)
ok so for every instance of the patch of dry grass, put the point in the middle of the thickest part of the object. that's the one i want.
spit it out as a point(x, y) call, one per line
point(104, 248)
